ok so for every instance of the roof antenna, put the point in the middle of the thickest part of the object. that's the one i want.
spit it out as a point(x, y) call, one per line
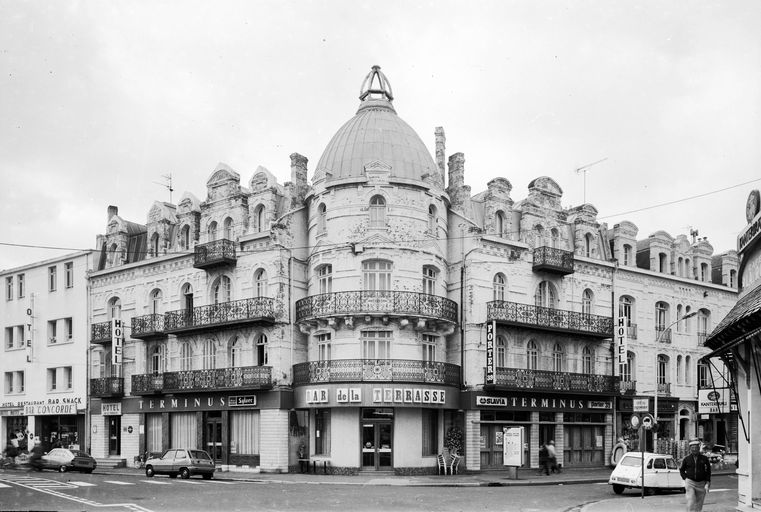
point(167, 184)
point(583, 169)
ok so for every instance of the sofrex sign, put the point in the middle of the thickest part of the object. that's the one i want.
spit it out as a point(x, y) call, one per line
point(712, 401)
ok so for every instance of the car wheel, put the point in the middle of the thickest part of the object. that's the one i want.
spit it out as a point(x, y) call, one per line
point(184, 473)
point(149, 472)
point(62, 469)
point(618, 488)
point(207, 476)
point(649, 491)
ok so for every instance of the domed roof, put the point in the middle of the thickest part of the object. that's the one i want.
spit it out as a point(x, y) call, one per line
point(376, 133)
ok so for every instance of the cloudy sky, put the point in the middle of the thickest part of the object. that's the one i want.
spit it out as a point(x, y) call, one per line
point(100, 99)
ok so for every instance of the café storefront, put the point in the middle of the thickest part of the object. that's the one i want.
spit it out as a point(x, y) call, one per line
point(54, 422)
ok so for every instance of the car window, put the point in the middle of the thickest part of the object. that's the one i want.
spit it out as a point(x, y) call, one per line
point(630, 461)
point(649, 464)
point(168, 455)
point(199, 454)
point(660, 464)
point(671, 464)
point(181, 454)
point(53, 452)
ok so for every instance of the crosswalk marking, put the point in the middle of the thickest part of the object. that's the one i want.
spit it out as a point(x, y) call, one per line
point(83, 484)
point(116, 482)
point(3, 485)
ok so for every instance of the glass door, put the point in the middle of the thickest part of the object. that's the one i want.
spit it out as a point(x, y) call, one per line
point(213, 436)
point(377, 447)
point(114, 437)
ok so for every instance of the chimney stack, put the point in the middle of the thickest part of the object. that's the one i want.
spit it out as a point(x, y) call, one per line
point(112, 210)
point(441, 150)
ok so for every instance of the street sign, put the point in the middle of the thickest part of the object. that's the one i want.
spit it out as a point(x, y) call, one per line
point(647, 422)
point(640, 404)
point(634, 421)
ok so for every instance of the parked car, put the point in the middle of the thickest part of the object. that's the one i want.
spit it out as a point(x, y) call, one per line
point(661, 473)
point(64, 459)
point(181, 461)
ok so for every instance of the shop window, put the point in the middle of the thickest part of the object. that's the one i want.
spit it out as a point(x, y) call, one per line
point(430, 432)
point(322, 432)
point(245, 432)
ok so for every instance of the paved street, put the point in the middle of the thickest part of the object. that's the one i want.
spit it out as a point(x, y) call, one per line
point(132, 491)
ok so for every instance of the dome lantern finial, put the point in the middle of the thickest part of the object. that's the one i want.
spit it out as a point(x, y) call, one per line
point(376, 86)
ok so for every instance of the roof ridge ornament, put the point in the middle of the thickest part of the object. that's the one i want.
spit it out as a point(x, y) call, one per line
point(380, 90)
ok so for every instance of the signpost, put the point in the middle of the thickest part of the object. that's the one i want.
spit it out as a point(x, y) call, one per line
point(512, 449)
point(647, 423)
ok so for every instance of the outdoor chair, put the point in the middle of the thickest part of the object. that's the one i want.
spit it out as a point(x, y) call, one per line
point(454, 464)
point(442, 464)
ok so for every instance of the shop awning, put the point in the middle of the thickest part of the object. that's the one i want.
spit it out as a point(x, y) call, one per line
point(741, 323)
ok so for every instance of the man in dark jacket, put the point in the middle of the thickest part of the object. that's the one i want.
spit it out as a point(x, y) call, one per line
point(696, 473)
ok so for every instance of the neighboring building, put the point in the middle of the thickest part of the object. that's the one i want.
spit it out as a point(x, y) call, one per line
point(350, 318)
point(45, 325)
point(736, 341)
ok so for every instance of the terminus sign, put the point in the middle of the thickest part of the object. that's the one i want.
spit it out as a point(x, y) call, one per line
point(181, 404)
point(541, 403)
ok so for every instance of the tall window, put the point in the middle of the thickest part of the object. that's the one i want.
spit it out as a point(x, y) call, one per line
point(21, 286)
point(704, 376)
point(499, 223)
point(234, 353)
point(229, 229)
point(114, 308)
point(323, 347)
point(9, 288)
point(377, 212)
point(155, 245)
point(433, 221)
point(113, 254)
point(325, 278)
point(626, 309)
point(627, 369)
point(187, 297)
point(157, 359)
point(52, 278)
point(68, 271)
point(156, 297)
point(586, 302)
point(662, 369)
point(322, 224)
point(259, 218)
point(429, 347)
point(501, 359)
point(679, 315)
point(558, 357)
point(688, 370)
point(262, 353)
point(687, 311)
point(185, 237)
point(222, 290)
point(545, 295)
point(209, 355)
point(322, 431)
point(587, 361)
point(704, 272)
point(627, 254)
point(688, 268)
point(702, 319)
point(212, 231)
point(68, 329)
point(429, 280)
point(679, 375)
point(662, 262)
point(260, 283)
point(588, 245)
point(661, 316)
point(186, 356)
point(680, 267)
point(376, 344)
point(376, 275)
point(732, 278)
point(430, 434)
point(532, 356)
point(498, 286)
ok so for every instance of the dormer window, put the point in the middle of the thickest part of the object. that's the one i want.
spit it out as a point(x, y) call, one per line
point(259, 218)
point(155, 245)
point(212, 231)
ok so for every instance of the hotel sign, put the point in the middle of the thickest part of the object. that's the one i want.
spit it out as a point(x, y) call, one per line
point(111, 409)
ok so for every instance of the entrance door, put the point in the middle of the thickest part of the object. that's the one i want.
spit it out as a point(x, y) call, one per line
point(212, 437)
point(377, 446)
point(114, 437)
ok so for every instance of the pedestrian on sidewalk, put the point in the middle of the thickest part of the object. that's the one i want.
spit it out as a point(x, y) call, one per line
point(544, 460)
point(552, 457)
point(696, 473)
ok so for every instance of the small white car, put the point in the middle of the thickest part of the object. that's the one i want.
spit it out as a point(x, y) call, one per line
point(661, 473)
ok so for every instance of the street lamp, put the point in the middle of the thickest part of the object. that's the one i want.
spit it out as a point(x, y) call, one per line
point(655, 401)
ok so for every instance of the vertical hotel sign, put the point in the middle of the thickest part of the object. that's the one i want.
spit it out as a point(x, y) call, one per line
point(117, 339)
point(491, 329)
point(621, 344)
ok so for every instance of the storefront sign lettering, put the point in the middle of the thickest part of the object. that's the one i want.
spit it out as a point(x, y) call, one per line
point(45, 410)
point(491, 329)
point(541, 403)
point(409, 396)
point(242, 401)
point(111, 409)
point(180, 403)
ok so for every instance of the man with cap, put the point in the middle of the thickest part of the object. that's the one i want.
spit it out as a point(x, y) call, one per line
point(696, 473)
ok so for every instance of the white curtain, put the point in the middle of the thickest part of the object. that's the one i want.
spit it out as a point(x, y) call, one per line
point(184, 430)
point(153, 433)
point(244, 431)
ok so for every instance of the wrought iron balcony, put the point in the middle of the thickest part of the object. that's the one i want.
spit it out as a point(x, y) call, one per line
point(663, 335)
point(372, 302)
point(107, 387)
point(664, 388)
point(214, 254)
point(628, 387)
point(558, 320)
point(549, 259)
point(376, 370)
point(237, 312)
point(216, 379)
point(556, 382)
point(147, 326)
point(100, 333)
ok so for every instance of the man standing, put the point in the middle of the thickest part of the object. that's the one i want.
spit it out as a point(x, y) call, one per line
point(696, 473)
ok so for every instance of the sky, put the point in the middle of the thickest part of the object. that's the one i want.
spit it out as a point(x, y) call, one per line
point(100, 100)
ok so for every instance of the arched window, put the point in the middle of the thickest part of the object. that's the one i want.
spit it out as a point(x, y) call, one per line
point(155, 245)
point(586, 302)
point(429, 280)
point(157, 359)
point(545, 295)
point(680, 266)
point(587, 361)
point(433, 221)
point(186, 356)
point(538, 236)
point(325, 277)
point(187, 296)
point(687, 322)
point(498, 286)
point(679, 375)
point(732, 278)
point(113, 254)
point(626, 309)
point(558, 358)
point(376, 275)
point(628, 255)
point(662, 263)
point(588, 245)
point(499, 223)
point(703, 318)
point(114, 308)
point(259, 218)
point(222, 290)
point(663, 366)
point(377, 212)
point(322, 218)
point(688, 268)
point(532, 356)
point(501, 344)
point(679, 315)
point(212, 231)
point(260, 283)
point(661, 316)
point(234, 353)
point(156, 297)
point(262, 354)
point(688, 370)
point(185, 237)
point(555, 238)
point(209, 355)
point(229, 229)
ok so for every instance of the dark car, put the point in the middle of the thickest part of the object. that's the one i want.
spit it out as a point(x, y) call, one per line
point(64, 459)
point(181, 461)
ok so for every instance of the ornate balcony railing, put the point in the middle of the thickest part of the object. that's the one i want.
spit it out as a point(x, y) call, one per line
point(244, 311)
point(147, 326)
point(100, 333)
point(376, 302)
point(553, 260)
point(376, 370)
point(212, 254)
point(559, 382)
point(107, 387)
point(525, 315)
point(664, 388)
point(663, 335)
point(225, 379)
point(628, 387)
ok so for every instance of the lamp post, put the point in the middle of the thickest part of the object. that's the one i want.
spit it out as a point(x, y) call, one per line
point(655, 401)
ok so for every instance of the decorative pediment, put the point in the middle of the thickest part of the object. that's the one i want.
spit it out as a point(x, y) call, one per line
point(377, 171)
point(188, 203)
point(222, 174)
point(162, 211)
point(116, 225)
point(261, 180)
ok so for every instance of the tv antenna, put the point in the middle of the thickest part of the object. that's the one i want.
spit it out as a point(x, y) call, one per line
point(167, 183)
point(583, 169)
